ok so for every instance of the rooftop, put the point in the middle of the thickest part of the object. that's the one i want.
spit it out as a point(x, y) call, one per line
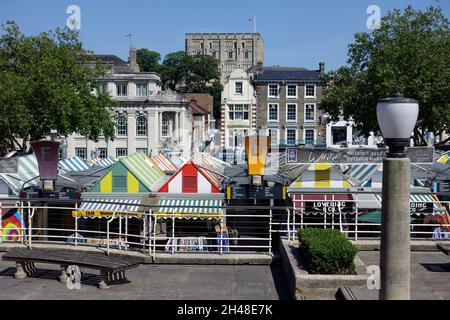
point(285, 73)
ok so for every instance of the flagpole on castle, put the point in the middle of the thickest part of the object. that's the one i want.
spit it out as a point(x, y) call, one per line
point(253, 19)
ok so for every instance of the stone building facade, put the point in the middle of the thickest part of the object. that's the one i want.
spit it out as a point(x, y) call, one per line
point(233, 50)
point(238, 109)
point(147, 118)
point(288, 102)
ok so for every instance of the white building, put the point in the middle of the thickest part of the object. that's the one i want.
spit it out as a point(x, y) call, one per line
point(238, 109)
point(147, 118)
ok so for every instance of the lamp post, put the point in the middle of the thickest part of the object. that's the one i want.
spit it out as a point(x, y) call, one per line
point(397, 118)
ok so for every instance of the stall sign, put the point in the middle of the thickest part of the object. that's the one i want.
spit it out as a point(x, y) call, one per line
point(328, 206)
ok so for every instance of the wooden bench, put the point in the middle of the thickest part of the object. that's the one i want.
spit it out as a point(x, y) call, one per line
point(112, 269)
point(444, 247)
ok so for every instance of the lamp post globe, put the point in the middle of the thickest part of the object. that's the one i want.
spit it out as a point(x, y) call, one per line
point(397, 117)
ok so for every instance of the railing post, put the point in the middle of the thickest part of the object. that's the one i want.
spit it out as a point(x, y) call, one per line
point(22, 229)
point(30, 222)
point(107, 232)
point(120, 231)
point(154, 238)
point(76, 224)
point(270, 226)
point(289, 225)
point(173, 232)
point(126, 233)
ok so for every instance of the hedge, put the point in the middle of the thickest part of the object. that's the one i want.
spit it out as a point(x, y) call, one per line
point(327, 251)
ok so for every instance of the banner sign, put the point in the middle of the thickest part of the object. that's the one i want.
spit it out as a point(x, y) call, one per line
point(257, 148)
point(419, 155)
point(46, 153)
point(421, 207)
point(9, 165)
point(328, 206)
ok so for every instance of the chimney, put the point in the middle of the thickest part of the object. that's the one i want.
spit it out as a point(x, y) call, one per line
point(133, 60)
point(322, 67)
point(259, 67)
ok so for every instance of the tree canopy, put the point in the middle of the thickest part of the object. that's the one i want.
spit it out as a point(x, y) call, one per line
point(147, 60)
point(410, 54)
point(47, 82)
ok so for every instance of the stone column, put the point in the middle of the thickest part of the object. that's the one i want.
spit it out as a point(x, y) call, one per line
point(395, 230)
point(178, 133)
point(131, 134)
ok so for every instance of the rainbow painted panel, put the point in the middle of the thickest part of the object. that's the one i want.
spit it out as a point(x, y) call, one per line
point(11, 227)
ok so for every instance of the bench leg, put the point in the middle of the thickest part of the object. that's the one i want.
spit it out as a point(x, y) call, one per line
point(104, 282)
point(63, 276)
point(20, 273)
point(29, 268)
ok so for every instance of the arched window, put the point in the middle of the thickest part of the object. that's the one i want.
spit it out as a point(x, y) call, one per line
point(141, 126)
point(122, 126)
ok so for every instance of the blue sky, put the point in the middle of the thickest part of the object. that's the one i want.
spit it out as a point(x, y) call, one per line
point(295, 32)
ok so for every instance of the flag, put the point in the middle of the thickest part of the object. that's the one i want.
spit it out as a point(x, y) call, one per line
point(252, 18)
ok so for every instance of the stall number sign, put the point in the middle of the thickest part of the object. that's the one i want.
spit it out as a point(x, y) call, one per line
point(328, 206)
point(444, 186)
point(421, 207)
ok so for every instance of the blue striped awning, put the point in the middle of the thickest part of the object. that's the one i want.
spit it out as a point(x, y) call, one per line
point(104, 162)
point(189, 209)
point(74, 164)
point(361, 173)
point(106, 207)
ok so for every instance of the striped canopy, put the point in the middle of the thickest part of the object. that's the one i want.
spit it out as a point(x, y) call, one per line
point(27, 169)
point(204, 160)
point(98, 208)
point(104, 162)
point(73, 164)
point(361, 173)
point(189, 209)
point(437, 208)
point(144, 169)
point(164, 163)
point(177, 161)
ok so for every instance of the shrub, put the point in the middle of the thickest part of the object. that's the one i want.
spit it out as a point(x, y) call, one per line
point(327, 251)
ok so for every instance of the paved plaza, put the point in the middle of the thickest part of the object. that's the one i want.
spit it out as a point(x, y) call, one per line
point(430, 275)
point(154, 282)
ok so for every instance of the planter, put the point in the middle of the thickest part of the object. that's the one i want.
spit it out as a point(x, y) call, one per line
point(316, 286)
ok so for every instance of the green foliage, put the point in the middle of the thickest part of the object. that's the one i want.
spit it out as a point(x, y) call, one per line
point(47, 83)
point(147, 60)
point(409, 53)
point(327, 251)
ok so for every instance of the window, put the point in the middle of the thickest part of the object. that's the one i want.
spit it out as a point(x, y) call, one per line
point(122, 126)
point(310, 91)
point(189, 183)
point(273, 91)
point(165, 128)
point(246, 55)
point(121, 152)
point(273, 134)
point(291, 91)
point(309, 136)
point(143, 150)
point(310, 112)
point(103, 87)
point(119, 183)
point(81, 152)
point(291, 136)
point(141, 126)
point(230, 54)
point(238, 88)
point(272, 112)
point(102, 153)
point(291, 112)
point(214, 54)
point(238, 111)
point(339, 135)
point(142, 90)
point(122, 90)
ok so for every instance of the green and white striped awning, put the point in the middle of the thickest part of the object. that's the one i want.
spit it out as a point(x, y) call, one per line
point(421, 198)
point(189, 209)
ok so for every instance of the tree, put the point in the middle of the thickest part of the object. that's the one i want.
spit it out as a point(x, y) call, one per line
point(147, 60)
point(173, 70)
point(409, 53)
point(47, 83)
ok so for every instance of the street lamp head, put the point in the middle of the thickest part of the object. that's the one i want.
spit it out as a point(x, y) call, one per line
point(397, 117)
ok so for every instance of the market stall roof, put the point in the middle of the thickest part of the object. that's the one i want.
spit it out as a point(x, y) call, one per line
point(320, 175)
point(444, 159)
point(73, 164)
point(164, 163)
point(27, 169)
point(361, 173)
point(104, 162)
point(177, 160)
point(106, 207)
point(189, 209)
point(141, 166)
point(208, 164)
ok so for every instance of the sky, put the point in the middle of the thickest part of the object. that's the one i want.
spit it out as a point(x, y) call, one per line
point(296, 33)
